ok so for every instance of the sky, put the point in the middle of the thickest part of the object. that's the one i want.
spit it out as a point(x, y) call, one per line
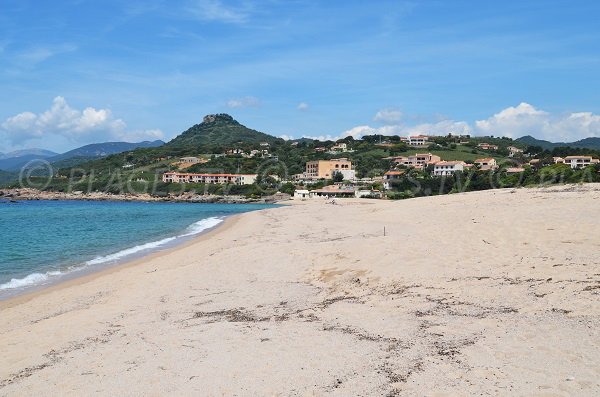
point(77, 72)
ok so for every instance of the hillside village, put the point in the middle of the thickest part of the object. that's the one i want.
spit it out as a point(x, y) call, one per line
point(341, 172)
point(221, 156)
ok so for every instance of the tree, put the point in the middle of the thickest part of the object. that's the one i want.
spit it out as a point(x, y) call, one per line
point(337, 176)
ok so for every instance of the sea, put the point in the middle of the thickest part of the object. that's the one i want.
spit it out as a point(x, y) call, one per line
point(44, 242)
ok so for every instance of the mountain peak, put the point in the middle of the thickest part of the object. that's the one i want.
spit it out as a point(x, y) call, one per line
point(212, 118)
point(219, 129)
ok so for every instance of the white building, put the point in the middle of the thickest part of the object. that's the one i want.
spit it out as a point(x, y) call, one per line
point(487, 146)
point(190, 160)
point(419, 160)
point(448, 167)
point(512, 151)
point(417, 140)
point(301, 194)
point(580, 161)
point(364, 193)
point(389, 176)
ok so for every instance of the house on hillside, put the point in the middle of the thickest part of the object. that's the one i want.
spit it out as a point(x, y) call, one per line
point(389, 176)
point(580, 161)
point(513, 151)
point(417, 160)
point(448, 167)
point(487, 146)
point(416, 140)
point(486, 164)
point(339, 148)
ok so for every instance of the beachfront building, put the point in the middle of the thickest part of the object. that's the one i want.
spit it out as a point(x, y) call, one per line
point(486, 164)
point(184, 177)
point(366, 193)
point(301, 194)
point(448, 167)
point(324, 169)
point(580, 161)
point(334, 191)
point(487, 146)
point(389, 176)
point(418, 160)
point(513, 151)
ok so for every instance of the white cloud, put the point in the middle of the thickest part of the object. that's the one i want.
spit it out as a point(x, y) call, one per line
point(244, 102)
point(515, 122)
point(388, 116)
point(440, 128)
point(443, 127)
point(75, 125)
point(215, 10)
point(525, 119)
point(302, 106)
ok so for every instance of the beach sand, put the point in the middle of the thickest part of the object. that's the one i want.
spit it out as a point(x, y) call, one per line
point(485, 293)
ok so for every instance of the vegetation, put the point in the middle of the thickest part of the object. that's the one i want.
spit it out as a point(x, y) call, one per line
point(275, 160)
point(220, 129)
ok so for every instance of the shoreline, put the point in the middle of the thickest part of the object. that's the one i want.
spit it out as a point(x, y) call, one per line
point(482, 293)
point(29, 194)
point(91, 274)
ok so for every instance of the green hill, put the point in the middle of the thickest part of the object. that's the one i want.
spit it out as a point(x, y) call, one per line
point(586, 143)
point(219, 129)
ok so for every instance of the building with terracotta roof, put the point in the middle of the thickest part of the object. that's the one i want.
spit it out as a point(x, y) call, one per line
point(324, 169)
point(418, 160)
point(184, 177)
point(580, 161)
point(448, 167)
point(389, 177)
point(334, 191)
point(487, 146)
point(486, 164)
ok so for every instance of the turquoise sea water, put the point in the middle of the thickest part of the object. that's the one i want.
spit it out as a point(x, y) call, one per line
point(44, 241)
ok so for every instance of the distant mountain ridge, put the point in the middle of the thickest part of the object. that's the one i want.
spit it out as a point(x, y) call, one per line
point(586, 143)
point(81, 154)
point(104, 149)
point(42, 153)
point(219, 129)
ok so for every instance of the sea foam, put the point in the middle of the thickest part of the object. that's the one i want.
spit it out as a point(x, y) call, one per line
point(43, 278)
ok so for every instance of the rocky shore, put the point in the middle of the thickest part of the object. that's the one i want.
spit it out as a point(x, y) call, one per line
point(34, 194)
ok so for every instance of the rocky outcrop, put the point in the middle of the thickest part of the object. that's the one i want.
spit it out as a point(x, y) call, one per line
point(33, 194)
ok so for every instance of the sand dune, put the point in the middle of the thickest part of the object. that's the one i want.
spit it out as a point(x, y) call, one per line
point(491, 293)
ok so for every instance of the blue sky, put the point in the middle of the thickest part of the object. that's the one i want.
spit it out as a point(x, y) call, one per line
point(75, 72)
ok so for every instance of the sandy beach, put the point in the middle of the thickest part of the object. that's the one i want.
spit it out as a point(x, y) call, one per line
point(485, 293)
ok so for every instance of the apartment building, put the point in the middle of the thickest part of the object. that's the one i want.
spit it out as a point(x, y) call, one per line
point(183, 177)
point(324, 169)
